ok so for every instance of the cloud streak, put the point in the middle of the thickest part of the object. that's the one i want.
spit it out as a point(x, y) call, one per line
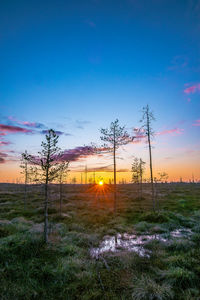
point(35, 125)
point(4, 143)
point(9, 129)
point(2, 157)
point(30, 127)
point(81, 124)
point(56, 131)
point(197, 123)
point(171, 131)
point(78, 153)
point(90, 23)
point(192, 89)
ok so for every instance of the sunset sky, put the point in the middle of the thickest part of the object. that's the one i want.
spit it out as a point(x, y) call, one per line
point(76, 66)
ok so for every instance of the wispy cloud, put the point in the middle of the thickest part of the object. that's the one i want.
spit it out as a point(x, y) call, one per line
point(81, 123)
point(108, 168)
point(171, 131)
point(35, 125)
point(90, 23)
point(6, 157)
point(3, 157)
point(123, 170)
point(197, 123)
point(57, 132)
point(138, 135)
point(6, 129)
point(97, 169)
point(178, 63)
point(192, 89)
point(78, 153)
point(5, 143)
point(83, 152)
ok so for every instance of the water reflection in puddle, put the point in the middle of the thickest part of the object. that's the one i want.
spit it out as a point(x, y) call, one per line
point(181, 232)
point(134, 243)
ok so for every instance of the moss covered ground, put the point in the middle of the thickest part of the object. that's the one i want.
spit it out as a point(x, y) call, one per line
point(64, 268)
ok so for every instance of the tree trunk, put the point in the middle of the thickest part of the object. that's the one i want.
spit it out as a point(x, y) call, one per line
point(115, 192)
point(25, 185)
point(60, 198)
point(141, 179)
point(150, 157)
point(46, 214)
point(25, 195)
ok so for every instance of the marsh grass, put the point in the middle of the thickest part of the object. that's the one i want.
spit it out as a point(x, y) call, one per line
point(64, 269)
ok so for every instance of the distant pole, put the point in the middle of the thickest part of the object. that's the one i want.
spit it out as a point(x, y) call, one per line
point(86, 174)
point(192, 178)
point(81, 178)
point(94, 177)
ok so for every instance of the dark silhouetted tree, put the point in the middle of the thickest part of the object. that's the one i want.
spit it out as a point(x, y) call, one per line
point(115, 136)
point(147, 119)
point(25, 171)
point(48, 160)
point(62, 175)
point(135, 170)
point(137, 173)
point(142, 168)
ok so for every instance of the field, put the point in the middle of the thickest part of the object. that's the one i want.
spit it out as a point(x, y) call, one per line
point(166, 264)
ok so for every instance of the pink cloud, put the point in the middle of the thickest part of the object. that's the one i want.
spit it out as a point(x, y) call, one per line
point(78, 153)
point(83, 152)
point(27, 123)
point(4, 143)
point(197, 123)
point(3, 157)
point(192, 89)
point(5, 129)
point(138, 135)
point(74, 154)
point(171, 131)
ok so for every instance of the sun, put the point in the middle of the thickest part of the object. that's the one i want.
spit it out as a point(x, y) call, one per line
point(101, 182)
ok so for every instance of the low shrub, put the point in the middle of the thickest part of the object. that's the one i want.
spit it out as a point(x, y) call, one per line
point(147, 289)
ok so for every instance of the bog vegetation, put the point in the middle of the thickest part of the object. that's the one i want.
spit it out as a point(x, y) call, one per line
point(49, 230)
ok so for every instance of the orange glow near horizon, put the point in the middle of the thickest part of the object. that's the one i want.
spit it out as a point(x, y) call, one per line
point(101, 182)
point(11, 173)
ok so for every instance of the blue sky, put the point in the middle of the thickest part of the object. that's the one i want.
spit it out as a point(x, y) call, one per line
point(66, 63)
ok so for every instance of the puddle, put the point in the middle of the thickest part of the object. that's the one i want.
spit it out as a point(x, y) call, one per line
point(134, 243)
point(181, 232)
point(129, 242)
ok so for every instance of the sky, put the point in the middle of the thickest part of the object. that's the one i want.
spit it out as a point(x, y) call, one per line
point(76, 66)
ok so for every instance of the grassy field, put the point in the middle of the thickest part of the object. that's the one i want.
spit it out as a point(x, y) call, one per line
point(65, 269)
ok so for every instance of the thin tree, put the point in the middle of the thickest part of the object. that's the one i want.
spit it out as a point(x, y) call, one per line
point(163, 176)
point(135, 170)
point(115, 136)
point(25, 172)
point(142, 168)
point(34, 175)
point(147, 119)
point(48, 160)
point(62, 174)
point(137, 173)
point(74, 180)
point(50, 167)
